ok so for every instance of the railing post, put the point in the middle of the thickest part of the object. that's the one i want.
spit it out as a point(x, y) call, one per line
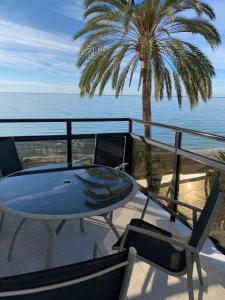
point(69, 141)
point(176, 171)
point(130, 126)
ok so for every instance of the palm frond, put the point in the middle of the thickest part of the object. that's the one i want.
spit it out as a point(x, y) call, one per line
point(198, 26)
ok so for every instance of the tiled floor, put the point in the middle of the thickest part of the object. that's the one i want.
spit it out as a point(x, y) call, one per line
point(72, 246)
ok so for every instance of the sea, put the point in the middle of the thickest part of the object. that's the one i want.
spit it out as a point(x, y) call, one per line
point(208, 117)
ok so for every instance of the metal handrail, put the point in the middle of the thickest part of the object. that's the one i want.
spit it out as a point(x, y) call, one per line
point(184, 130)
point(68, 135)
point(58, 120)
point(129, 120)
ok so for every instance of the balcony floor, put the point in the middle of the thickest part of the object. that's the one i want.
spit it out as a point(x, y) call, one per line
point(72, 246)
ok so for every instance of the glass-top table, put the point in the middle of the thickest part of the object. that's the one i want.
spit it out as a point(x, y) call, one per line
point(62, 192)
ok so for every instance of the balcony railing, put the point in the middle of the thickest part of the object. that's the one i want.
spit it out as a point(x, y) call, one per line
point(168, 166)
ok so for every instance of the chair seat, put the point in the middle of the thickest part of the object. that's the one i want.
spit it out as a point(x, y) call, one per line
point(154, 250)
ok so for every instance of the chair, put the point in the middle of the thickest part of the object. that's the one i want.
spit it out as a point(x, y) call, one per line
point(101, 278)
point(110, 150)
point(167, 253)
point(9, 162)
point(9, 158)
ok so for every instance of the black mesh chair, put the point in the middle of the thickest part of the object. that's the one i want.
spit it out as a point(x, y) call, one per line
point(102, 278)
point(9, 158)
point(9, 162)
point(167, 252)
point(110, 150)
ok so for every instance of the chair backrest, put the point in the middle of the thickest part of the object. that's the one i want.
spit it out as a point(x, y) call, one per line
point(110, 150)
point(9, 158)
point(98, 279)
point(208, 215)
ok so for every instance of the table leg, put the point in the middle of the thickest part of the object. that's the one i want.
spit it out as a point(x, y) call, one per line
point(82, 225)
point(51, 242)
point(2, 220)
point(11, 248)
point(111, 225)
point(60, 226)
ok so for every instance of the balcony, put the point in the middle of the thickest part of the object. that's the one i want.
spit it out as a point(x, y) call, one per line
point(169, 167)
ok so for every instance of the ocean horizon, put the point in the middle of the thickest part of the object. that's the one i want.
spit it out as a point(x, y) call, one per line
point(207, 117)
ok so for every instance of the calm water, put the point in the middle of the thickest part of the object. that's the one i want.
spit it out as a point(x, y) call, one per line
point(208, 117)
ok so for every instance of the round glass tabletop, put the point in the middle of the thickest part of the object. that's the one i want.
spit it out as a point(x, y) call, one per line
point(65, 191)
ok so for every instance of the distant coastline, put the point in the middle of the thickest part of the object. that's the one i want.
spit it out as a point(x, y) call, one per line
point(105, 95)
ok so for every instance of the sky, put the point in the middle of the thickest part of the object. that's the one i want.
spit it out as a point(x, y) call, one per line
point(38, 54)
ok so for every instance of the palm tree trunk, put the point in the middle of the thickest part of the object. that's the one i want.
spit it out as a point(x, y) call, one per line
point(146, 107)
point(146, 99)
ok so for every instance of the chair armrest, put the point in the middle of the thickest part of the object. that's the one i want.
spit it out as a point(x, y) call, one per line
point(168, 210)
point(152, 195)
point(122, 166)
point(100, 249)
point(84, 158)
point(159, 236)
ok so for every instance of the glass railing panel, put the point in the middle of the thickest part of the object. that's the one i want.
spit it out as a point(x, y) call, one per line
point(37, 153)
point(196, 180)
point(218, 230)
point(83, 150)
point(153, 167)
point(194, 184)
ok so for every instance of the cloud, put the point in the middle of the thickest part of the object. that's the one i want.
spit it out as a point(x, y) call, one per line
point(14, 34)
point(35, 87)
point(24, 47)
point(37, 60)
point(73, 10)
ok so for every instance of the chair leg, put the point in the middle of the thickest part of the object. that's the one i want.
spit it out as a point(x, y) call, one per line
point(60, 226)
point(111, 225)
point(199, 269)
point(2, 220)
point(82, 225)
point(190, 280)
point(51, 242)
point(145, 208)
point(111, 216)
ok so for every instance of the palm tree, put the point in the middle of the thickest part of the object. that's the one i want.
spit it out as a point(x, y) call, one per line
point(121, 38)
